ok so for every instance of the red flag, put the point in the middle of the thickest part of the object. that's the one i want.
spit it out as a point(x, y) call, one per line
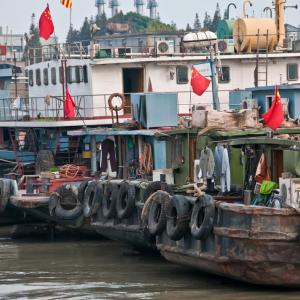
point(199, 83)
point(69, 106)
point(274, 117)
point(46, 24)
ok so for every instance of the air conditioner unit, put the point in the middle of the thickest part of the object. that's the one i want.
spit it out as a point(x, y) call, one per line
point(249, 104)
point(296, 46)
point(290, 191)
point(226, 46)
point(165, 47)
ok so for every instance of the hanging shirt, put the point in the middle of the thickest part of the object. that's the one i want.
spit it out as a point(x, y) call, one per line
point(222, 167)
point(207, 164)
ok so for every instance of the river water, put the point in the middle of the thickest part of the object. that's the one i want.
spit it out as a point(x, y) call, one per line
point(107, 270)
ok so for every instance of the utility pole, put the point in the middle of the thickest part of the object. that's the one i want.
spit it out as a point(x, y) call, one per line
point(215, 93)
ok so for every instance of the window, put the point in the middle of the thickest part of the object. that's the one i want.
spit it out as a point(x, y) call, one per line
point(61, 75)
point(38, 77)
point(30, 77)
point(85, 74)
point(46, 76)
point(2, 84)
point(53, 76)
point(292, 72)
point(78, 74)
point(224, 75)
point(182, 75)
point(71, 74)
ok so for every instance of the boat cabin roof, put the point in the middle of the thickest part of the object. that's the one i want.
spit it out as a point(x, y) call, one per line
point(119, 132)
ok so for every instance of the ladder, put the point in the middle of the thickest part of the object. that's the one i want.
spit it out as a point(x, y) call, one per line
point(262, 64)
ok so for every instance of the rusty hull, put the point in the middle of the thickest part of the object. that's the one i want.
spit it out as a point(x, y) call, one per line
point(249, 243)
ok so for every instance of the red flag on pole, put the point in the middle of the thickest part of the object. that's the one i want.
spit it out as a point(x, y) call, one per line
point(46, 24)
point(199, 83)
point(274, 117)
point(69, 106)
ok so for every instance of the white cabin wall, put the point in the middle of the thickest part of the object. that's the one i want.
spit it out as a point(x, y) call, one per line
point(37, 93)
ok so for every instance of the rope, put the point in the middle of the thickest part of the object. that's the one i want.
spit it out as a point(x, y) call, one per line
point(71, 171)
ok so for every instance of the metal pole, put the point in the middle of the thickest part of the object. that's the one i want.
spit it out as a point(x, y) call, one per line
point(216, 102)
point(15, 73)
point(94, 154)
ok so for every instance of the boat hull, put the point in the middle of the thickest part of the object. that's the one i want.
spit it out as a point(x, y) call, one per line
point(252, 244)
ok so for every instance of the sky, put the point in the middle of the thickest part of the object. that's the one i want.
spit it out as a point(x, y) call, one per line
point(16, 14)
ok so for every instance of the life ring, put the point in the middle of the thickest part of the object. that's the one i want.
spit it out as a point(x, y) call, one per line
point(202, 219)
point(110, 196)
point(157, 217)
point(110, 102)
point(92, 198)
point(178, 217)
point(126, 200)
point(64, 204)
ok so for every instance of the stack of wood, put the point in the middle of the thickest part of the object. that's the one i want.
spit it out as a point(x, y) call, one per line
point(224, 120)
point(195, 190)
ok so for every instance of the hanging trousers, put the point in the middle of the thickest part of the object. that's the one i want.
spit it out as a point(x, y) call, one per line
point(108, 147)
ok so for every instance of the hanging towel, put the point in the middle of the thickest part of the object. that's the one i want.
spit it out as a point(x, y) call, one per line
point(262, 171)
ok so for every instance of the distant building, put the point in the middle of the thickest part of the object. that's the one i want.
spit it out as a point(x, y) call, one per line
point(9, 43)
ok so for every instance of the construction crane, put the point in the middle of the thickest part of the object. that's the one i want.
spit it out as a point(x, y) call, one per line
point(113, 5)
point(100, 4)
point(139, 5)
point(152, 6)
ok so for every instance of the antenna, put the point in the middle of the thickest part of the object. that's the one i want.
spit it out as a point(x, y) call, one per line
point(139, 5)
point(100, 4)
point(113, 5)
point(152, 6)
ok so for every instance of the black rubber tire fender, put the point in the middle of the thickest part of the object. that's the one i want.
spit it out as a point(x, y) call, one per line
point(81, 190)
point(68, 214)
point(126, 200)
point(157, 218)
point(178, 217)
point(5, 193)
point(109, 199)
point(154, 187)
point(53, 201)
point(92, 198)
point(202, 219)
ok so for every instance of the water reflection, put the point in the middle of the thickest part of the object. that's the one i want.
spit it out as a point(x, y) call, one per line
point(100, 270)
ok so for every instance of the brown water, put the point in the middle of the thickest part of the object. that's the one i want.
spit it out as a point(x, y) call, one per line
point(102, 270)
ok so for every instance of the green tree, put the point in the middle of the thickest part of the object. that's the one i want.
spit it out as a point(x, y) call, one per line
point(216, 19)
point(101, 22)
point(197, 24)
point(207, 23)
point(33, 48)
point(73, 35)
point(85, 34)
point(188, 28)
point(155, 26)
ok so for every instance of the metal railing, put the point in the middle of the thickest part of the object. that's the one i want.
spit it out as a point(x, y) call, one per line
point(119, 47)
point(93, 106)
